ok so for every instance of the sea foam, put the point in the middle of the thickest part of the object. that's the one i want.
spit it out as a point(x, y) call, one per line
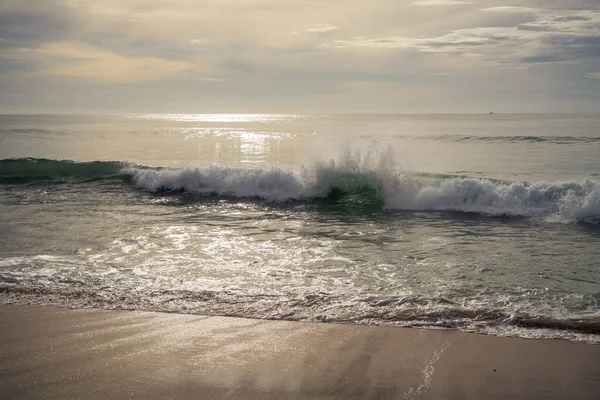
point(373, 178)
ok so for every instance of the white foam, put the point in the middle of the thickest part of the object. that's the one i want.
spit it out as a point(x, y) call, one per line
point(271, 184)
point(559, 202)
point(567, 201)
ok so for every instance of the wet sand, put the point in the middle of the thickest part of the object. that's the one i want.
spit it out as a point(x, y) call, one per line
point(52, 353)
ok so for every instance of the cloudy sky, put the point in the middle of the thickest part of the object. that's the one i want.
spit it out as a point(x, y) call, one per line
point(401, 56)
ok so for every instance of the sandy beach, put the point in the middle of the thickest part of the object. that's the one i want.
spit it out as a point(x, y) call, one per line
point(54, 353)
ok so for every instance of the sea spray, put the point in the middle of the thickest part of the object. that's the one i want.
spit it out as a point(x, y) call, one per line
point(353, 177)
point(370, 177)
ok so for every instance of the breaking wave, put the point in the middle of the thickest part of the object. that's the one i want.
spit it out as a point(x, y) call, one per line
point(372, 180)
point(352, 178)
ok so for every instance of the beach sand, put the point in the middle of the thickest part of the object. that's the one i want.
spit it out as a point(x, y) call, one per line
point(53, 353)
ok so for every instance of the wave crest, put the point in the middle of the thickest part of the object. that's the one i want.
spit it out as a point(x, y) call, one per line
point(272, 184)
point(371, 179)
point(352, 179)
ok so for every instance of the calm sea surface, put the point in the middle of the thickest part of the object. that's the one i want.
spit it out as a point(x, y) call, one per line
point(484, 223)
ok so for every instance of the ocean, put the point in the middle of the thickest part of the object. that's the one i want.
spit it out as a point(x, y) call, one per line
point(484, 223)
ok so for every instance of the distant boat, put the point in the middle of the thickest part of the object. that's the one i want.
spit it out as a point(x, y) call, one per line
point(491, 113)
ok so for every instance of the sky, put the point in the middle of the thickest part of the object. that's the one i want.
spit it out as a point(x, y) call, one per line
point(290, 56)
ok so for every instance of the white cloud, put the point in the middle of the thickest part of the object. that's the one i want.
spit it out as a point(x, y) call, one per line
point(449, 43)
point(322, 28)
point(249, 42)
point(594, 75)
point(550, 37)
point(511, 9)
point(429, 3)
point(578, 23)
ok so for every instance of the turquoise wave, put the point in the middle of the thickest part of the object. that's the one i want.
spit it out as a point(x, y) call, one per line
point(28, 170)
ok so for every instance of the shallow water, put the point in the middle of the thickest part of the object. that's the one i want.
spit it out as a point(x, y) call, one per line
point(476, 222)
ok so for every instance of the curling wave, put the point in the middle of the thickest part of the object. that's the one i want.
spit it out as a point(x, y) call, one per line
point(352, 179)
point(364, 180)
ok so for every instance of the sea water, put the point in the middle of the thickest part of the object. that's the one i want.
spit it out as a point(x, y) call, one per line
point(483, 223)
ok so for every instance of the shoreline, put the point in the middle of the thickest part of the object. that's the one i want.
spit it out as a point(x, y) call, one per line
point(526, 329)
point(54, 352)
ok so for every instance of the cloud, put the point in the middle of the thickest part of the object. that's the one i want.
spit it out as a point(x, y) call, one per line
point(454, 42)
point(322, 28)
point(211, 79)
point(429, 3)
point(199, 44)
point(80, 60)
point(511, 9)
point(154, 46)
point(575, 23)
point(594, 75)
point(32, 22)
point(548, 37)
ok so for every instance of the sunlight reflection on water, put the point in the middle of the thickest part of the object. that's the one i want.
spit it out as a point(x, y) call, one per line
point(219, 117)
